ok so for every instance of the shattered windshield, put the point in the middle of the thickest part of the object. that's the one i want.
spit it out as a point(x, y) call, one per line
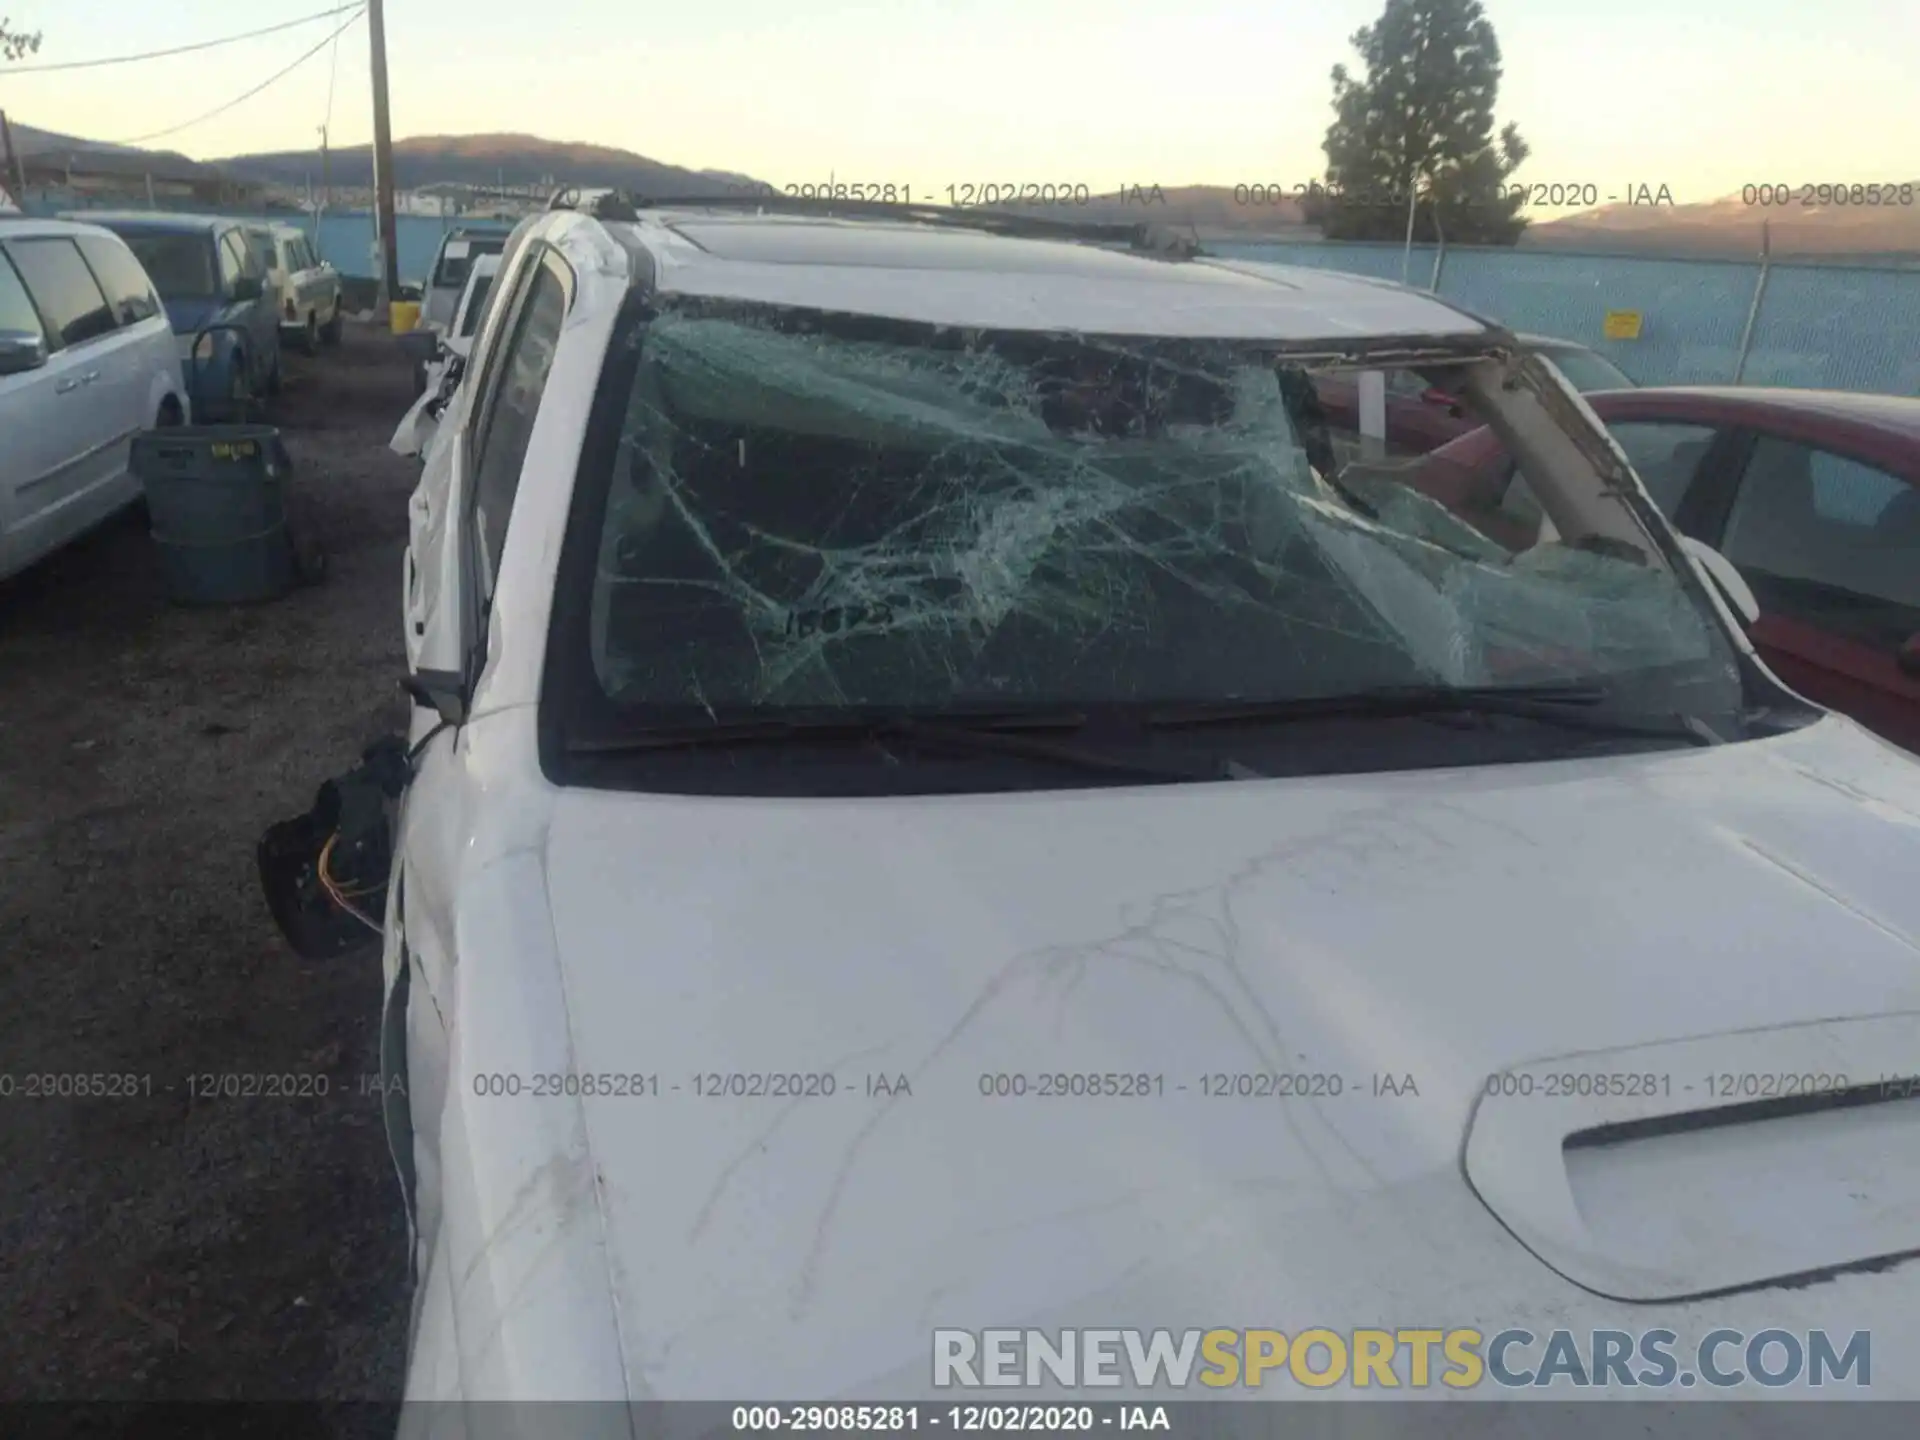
point(805, 513)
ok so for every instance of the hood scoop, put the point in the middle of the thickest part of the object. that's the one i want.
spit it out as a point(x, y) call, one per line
point(1697, 1167)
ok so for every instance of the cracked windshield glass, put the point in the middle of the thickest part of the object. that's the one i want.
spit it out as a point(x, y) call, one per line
point(804, 515)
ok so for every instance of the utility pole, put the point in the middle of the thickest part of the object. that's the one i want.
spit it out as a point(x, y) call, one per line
point(17, 172)
point(383, 158)
point(326, 178)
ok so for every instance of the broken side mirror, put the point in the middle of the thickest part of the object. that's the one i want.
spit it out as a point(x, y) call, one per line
point(325, 873)
point(1727, 580)
point(1909, 656)
point(440, 692)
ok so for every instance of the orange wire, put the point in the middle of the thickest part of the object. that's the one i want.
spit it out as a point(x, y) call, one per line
point(333, 890)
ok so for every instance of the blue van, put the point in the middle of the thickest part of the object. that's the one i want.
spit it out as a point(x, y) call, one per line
point(208, 274)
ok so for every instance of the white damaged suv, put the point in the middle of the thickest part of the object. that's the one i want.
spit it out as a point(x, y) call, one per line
point(941, 797)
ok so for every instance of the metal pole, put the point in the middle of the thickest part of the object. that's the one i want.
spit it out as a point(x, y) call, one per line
point(14, 164)
point(150, 204)
point(1753, 310)
point(1406, 255)
point(382, 159)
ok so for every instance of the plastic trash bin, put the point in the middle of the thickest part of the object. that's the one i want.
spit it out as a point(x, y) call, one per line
point(216, 495)
point(403, 315)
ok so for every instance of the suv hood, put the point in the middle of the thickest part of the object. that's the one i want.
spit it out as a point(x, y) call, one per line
point(1381, 943)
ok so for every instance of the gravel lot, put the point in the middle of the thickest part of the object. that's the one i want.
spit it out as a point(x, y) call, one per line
point(168, 1247)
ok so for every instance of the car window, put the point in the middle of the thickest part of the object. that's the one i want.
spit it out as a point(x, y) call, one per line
point(127, 285)
point(508, 427)
point(1587, 371)
point(181, 266)
point(64, 289)
point(232, 261)
point(260, 246)
point(16, 310)
point(457, 258)
point(476, 302)
point(1828, 540)
point(1665, 455)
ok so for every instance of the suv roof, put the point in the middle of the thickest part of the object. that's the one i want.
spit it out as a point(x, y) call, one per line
point(11, 224)
point(954, 268)
point(154, 220)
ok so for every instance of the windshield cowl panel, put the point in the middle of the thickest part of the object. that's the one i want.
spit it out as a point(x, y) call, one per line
point(812, 514)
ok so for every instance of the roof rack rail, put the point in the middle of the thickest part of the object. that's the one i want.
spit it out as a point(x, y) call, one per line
point(610, 204)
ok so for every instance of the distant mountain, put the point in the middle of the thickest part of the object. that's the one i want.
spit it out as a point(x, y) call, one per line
point(1730, 226)
point(485, 160)
point(51, 146)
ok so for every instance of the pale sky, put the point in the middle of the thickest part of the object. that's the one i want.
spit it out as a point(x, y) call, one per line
point(1700, 95)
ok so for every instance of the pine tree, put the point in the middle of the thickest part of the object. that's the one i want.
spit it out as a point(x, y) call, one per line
point(1421, 122)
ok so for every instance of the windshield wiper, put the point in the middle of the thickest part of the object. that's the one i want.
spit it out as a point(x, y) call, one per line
point(1573, 705)
point(1011, 733)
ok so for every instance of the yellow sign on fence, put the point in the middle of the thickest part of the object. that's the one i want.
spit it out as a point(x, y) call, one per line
point(1622, 325)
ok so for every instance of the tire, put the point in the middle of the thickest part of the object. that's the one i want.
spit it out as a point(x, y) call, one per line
point(310, 335)
point(330, 332)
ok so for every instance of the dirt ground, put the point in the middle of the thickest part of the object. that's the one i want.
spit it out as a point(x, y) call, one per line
point(173, 1246)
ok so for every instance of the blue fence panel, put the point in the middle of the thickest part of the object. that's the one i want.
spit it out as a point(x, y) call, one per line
point(1692, 312)
point(1838, 329)
point(1835, 327)
point(346, 241)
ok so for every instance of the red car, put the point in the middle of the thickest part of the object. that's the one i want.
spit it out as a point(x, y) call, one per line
point(1421, 418)
point(1813, 495)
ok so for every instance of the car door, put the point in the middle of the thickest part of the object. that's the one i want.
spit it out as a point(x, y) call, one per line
point(323, 279)
point(86, 394)
point(264, 316)
point(144, 335)
point(431, 618)
point(1830, 545)
point(38, 447)
point(256, 317)
point(470, 518)
point(308, 282)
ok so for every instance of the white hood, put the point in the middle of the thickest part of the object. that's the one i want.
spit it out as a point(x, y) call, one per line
point(1432, 927)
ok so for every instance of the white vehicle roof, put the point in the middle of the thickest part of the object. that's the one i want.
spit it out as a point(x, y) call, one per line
point(21, 226)
point(947, 274)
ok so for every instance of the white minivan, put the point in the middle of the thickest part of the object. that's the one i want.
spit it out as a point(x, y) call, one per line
point(87, 359)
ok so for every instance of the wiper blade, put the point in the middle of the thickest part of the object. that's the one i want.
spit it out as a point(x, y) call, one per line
point(829, 725)
point(1573, 705)
point(1010, 733)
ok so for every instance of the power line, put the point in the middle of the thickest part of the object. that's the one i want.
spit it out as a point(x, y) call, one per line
point(222, 109)
point(179, 49)
point(333, 74)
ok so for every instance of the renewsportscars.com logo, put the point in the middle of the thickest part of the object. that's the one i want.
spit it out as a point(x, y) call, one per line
point(1459, 1359)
